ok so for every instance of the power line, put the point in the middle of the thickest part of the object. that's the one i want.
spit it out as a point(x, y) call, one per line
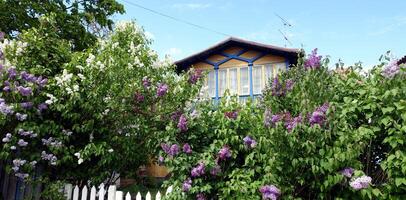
point(176, 19)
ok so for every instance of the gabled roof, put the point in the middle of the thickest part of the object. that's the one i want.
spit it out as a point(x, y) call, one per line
point(289, 53)
point(402, 60)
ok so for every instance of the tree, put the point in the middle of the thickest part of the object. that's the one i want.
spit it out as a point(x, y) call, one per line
point(78, 21)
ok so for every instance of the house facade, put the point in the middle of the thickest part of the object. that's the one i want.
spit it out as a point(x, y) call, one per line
point(243, 67)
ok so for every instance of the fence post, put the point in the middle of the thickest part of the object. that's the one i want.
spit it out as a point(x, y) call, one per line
point(68, 191)
point(111, 193)
point(93, 193)
point(148, 197)
point(138, 197)
point(119, 195)
point(102, 192)
point(76, 193)
point(128, 196)
point(84, 193)
point(158, 196)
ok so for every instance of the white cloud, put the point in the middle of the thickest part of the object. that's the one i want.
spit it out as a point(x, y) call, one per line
point(395, 23)
point(191, 6)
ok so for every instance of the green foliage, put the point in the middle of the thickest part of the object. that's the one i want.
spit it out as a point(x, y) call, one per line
point(363, 128)
point(77, 21)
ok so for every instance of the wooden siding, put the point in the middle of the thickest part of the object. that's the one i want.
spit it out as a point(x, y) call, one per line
point(233, 50)
point(269, 59)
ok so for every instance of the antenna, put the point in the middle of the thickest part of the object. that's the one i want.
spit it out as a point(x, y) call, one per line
point(284, 21)
point(285, 37)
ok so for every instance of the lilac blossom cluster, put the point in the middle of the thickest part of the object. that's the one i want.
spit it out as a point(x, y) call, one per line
point(224, 153)
point(21, 117)
point(278, 89)
point(7, 138)
point(231, 114)
point(4, 108)
point(146, 82)
point(270, 192)
point(249, 142)
point(200, 196)
point(49, 157)
point(187, 184)
point(187, 149)
point(17, 163)
point(162, 89)
point(138, 97)
point(199, 170)
point(182, 124)
point(215, 170)
point(391, 69)
point(171, 150)
point(361, 182)
point(30, 134)
point(22, 143)
point(347, 172)
point(313, 61)
point(195, 76)
point(319, 115)
point(51, 142)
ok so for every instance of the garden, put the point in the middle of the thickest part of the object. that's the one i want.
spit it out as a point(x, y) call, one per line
point(81, 114)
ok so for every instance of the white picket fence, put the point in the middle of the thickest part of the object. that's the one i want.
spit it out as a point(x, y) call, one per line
point(76, 193)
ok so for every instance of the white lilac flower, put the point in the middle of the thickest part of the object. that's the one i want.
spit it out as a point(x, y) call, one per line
point(361, 182)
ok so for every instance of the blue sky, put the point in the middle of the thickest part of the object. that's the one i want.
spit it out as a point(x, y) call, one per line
point(353, 30)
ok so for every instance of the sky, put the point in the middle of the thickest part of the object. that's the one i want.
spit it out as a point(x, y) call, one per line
point(350, 30)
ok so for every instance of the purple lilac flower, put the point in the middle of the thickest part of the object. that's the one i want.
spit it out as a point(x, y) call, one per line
point(25, 91)
point(161, 160)
point(2, 34)
point(198, 170)
point(292, 123)
point(200, 196)
point(25, 133)
point(67, 132)
point(174, 150)
point(49, 157)
point(289, 84)
point(361, 182)
point(51, 142)
point(195, 76)
point(17, 163)
point(224, 153)
point(187, 184)
point(313, 61)
point(319, 115)
point(21, 117)
point(162, 89)
point(7, 138)
point(12, 73)
point(6, 89)
point(249, 142)
point(182, 124)
point(347, 172)
point(166, 147)
point(33, 163)
point(276, 87)
point(22, 143)
point(26, 105)
point(270, 192)
point(215, 170)
point(146, 82)
point(42, 107)
point(139, 97)
point(276, 118)
point(187, 149)
point(391, 69)
point(231, 114)
point(41, 81)
point(6, 109)
point(28, 77)
point(175, 115)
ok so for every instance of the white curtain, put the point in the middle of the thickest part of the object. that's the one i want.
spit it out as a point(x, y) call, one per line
point(233, 81)
point(211, 83)
point(222, 81)
point(257, 79)
point(244, 81)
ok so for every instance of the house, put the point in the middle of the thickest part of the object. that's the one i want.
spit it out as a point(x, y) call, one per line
point(241, 66)
point(402, 60)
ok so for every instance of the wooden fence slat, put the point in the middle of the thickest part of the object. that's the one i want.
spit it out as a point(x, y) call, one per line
point(111, 193)
point(68, 191)
point(128, 196)
point(119, 195)
point(148, 197)
point(158, 196)
point(76, 193)
point(138, 197)
point(102, 192)
point(93, 193)
point(84, 193)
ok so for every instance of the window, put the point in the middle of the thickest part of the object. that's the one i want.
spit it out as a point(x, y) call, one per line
point(222, 81)
point(244, 81)
point(233, 81)
point(280, 67)
point(211, 83)
point(257, 79)
point(268, 73)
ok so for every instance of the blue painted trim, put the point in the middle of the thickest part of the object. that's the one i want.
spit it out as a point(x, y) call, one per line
point(241, 52)
point(216, 69)
point(250, 64)
point(230, 56)
point(258, 57)
point(287, 64)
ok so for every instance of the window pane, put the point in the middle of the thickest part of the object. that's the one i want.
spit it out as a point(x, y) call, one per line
point(222, 81)
point(280, 67)
point(268, 73)
point(211, 83)
point(244, 81)
point(233, 81)
point(257, 79)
